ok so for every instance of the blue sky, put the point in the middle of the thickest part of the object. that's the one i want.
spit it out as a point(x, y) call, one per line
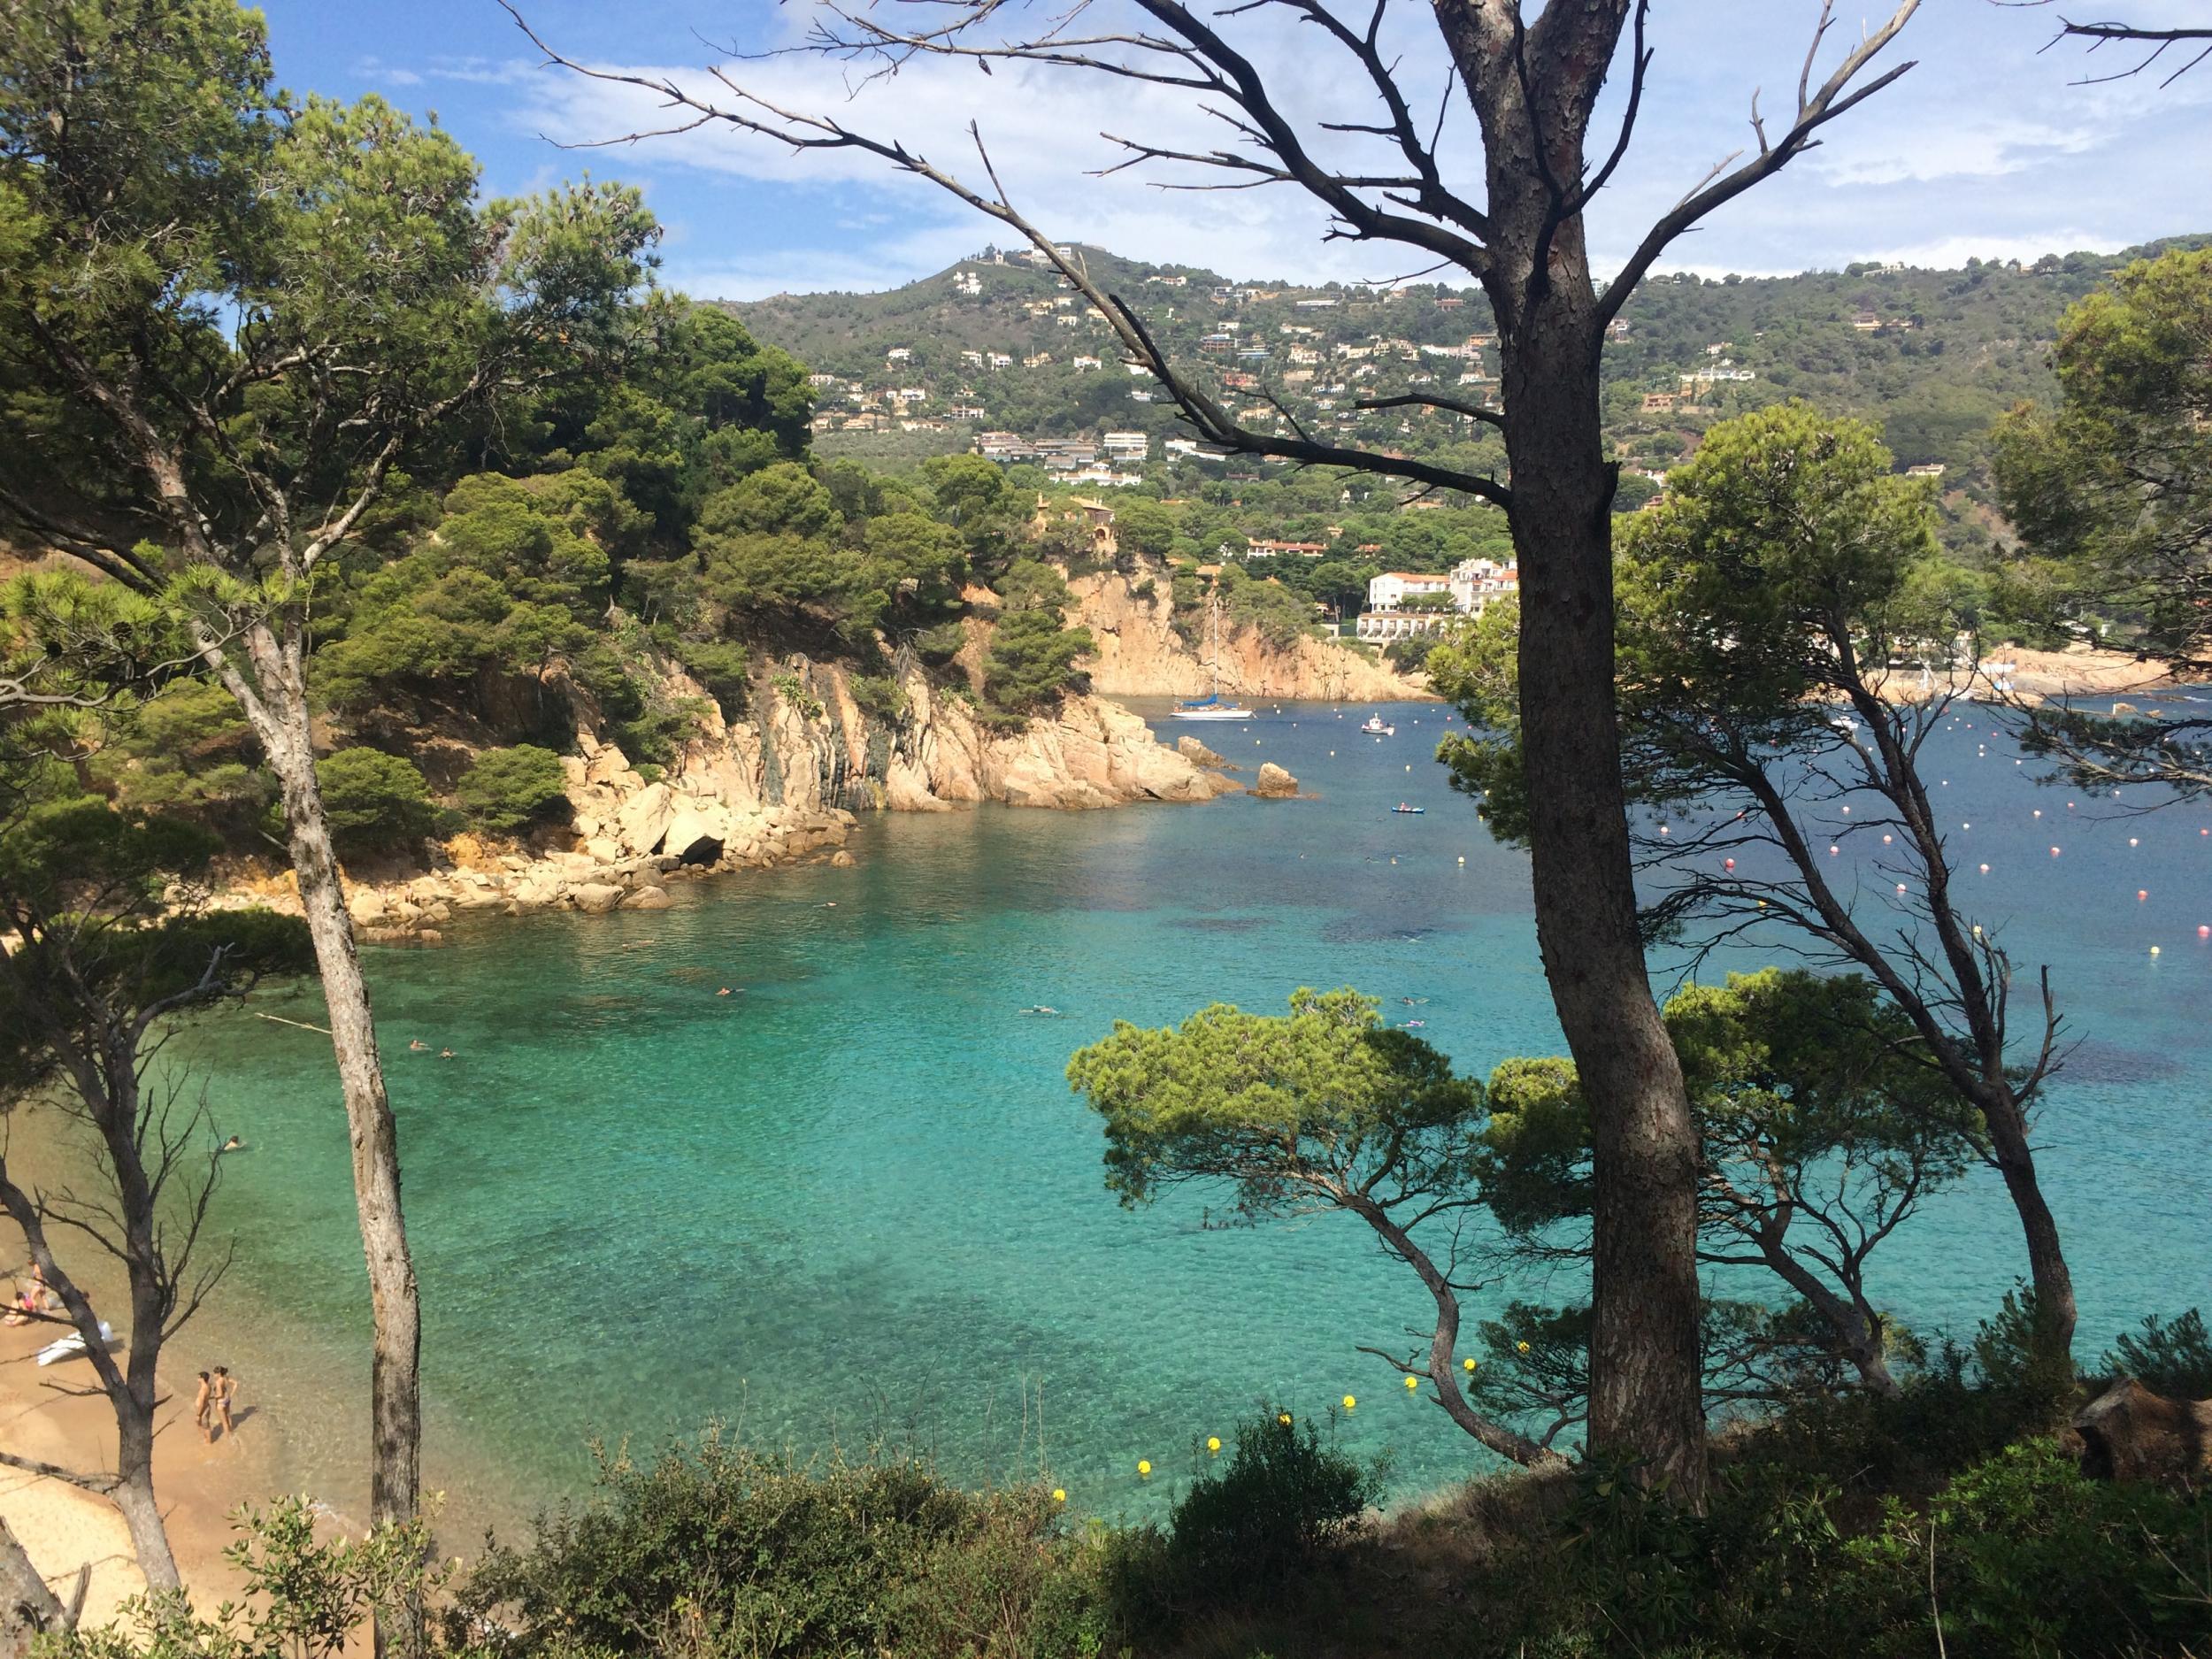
point(1987, 148)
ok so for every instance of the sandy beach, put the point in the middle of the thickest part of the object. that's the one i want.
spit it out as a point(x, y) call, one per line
point(63, 1527)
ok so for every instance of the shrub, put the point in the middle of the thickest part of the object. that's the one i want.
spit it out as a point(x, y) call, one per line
point(2030, 1557)
point(375, 802)
point(720, 1548)
point(2168, 1359)
point(720, 666)
point(794, 690)
point(505, 788)
point(880, 696)
point(304, 1596)
point(1031, 660)
point(1283, 1497)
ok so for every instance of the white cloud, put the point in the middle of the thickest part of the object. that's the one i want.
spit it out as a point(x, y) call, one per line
point(1984, 148)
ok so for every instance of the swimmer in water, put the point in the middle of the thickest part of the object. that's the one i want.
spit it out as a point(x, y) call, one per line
point(231, 1145)
point(445, 1053)
point(418, 1045)
point(724, 991)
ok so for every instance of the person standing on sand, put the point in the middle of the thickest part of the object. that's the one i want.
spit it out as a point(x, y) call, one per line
point(226, 1392)
point(203, 1402)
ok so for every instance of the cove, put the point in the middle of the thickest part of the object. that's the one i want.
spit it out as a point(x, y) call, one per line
point(854, 1202)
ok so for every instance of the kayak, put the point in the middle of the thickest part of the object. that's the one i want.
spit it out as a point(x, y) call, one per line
point(1413, 809)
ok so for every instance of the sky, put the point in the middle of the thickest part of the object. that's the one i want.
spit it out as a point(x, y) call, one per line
point(1989, 147)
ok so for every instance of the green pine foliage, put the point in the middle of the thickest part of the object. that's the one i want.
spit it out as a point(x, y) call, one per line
point(506, 789)
point(375, 803)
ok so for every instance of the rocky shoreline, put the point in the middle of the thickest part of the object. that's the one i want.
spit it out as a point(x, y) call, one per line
point(785, 786)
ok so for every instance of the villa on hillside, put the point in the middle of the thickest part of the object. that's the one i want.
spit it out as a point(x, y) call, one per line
point(1096, 516)
point(1467, 591)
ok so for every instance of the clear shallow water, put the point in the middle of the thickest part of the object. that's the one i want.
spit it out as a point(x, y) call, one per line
point(857, 1201)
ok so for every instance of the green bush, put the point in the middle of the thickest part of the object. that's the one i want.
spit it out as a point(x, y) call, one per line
point(880, 696)
point(1283, 1498)
point(2168, 1359)
point(726, 1551)
point(2030, 1557)
point(503, 790)
point(304, 1597)
point(721, 667)
point(1031, 660)
point(375, 802)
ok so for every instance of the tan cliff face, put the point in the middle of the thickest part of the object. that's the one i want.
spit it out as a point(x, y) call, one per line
point(1139, 654)
point(786, 783)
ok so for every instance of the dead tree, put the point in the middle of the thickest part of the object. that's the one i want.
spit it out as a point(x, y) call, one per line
point(2196, 44)
point(91, 985)
point(1533, 86)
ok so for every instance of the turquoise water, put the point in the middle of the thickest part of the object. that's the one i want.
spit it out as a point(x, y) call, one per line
point(855, 1202)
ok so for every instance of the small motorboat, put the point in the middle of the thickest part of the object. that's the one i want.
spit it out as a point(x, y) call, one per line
point(72, 1345)
point(1402, 807)
point(1376, 728)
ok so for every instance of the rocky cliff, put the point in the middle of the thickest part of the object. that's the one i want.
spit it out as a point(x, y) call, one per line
point(787, 782)
point(1140, 654)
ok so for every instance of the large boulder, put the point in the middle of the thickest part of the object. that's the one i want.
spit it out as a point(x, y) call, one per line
point(694, 836)
point(1274, 783)
point(2130, 1434)
point(596, 898)
point(606, 765)
point(1195, 752)
point(643, 820)
point(647, 899)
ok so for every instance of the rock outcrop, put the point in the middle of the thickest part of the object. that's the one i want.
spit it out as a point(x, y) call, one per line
point(785, 784)
point(2130, 1434)
point(1275, 784)
point(1195, 752)
point(1139, 654)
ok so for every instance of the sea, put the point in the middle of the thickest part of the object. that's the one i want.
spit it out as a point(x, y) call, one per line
point(852, 1208)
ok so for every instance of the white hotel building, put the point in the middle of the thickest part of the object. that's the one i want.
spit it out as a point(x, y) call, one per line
point(1471, 587)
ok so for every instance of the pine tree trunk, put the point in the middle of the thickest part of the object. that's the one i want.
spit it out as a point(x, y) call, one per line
point(395, 1389)
point(27, 1607)
point(1646, 1359)
point(2053, 1282)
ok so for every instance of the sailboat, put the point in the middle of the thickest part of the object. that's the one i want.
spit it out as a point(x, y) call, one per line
point(1210, 706)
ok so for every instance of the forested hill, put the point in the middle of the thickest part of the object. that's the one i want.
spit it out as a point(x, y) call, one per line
point(1935, 355)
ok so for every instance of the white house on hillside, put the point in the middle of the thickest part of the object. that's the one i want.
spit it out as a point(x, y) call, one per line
point(1390, 590)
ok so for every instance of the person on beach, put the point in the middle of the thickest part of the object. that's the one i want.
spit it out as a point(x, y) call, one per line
point(203, 1402)
point(224, 1393)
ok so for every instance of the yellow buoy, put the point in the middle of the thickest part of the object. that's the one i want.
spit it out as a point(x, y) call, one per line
point(1467, 1365)
point(1412, 1382)
point(1144, 1468)
point(1213, 1444)
point(1351, 1403)
point(1520, 1347)
point(1059, 1494)
point(1283, 1417)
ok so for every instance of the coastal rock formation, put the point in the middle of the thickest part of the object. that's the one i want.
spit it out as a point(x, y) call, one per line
point(1195, 752)
point(1089, 753)
point(1139, 654)
point(784, 784)
point(2130, 1434)
point(1275, 784)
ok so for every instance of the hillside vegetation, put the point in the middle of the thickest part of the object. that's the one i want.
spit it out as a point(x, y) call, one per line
point(1934, 356)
